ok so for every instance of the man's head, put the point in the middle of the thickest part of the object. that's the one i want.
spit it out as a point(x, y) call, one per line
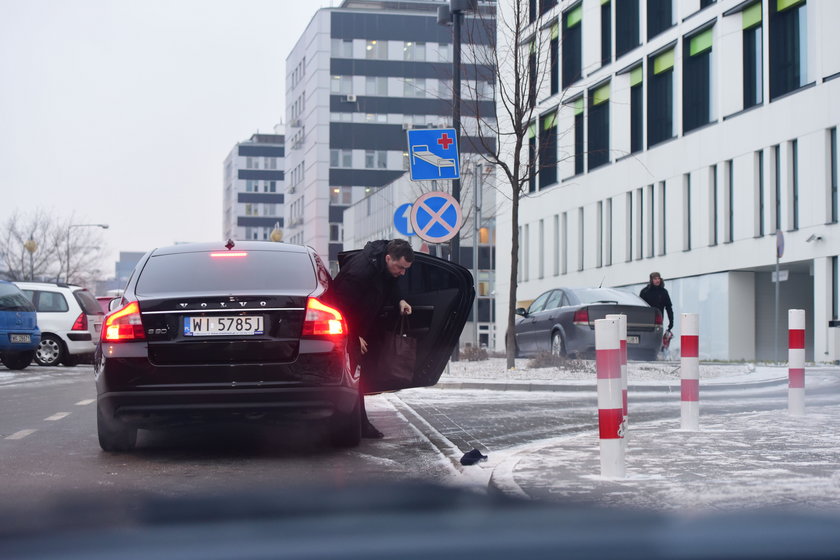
point(655, 279)
point(398, 257)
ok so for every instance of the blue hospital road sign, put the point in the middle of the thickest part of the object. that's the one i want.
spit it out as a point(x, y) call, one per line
point(436, 217)
point(402, 219)
point(433, 154)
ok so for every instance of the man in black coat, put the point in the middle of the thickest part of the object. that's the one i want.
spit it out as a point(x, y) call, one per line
point(365, 283)
point(657, 296)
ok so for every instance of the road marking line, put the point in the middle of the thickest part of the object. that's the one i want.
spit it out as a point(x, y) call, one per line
point(57, 416)
point(21, 434)
point(85, 402)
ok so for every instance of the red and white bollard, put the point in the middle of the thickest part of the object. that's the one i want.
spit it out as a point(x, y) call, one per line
point(610, 408)
point(690, 367)
point(796, 362)
point(622, 340)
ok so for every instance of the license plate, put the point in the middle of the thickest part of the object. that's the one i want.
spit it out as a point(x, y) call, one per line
point(632, 339)
point(223, 325)
point(20, 338)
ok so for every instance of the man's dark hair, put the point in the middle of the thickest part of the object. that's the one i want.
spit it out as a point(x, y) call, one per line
point(399, 248)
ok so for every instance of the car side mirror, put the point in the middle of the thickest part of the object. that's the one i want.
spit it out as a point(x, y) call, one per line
point(114, 304)
point(522, 311)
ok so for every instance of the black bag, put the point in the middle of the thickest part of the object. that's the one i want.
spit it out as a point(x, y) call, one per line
point(396, 357)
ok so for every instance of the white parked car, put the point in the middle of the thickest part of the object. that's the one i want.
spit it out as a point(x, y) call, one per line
point(70, 320)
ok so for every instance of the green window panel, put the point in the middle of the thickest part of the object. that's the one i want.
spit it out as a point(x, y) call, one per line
point(555, 30)
point(601, 95)
point(782, 5)
point(751, 16)
point(577, 104)
point(663, 62)
point(701, 42)
point(574, 16)
point(550, 120)
point(636, 76)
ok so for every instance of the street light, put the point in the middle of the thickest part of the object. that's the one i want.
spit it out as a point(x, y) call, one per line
point(71, 226)
point(31, 246)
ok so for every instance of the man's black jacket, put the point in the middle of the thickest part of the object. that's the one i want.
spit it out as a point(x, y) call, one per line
point(657, 296)
point(363, 286)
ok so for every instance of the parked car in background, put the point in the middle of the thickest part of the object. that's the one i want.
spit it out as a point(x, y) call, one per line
point(70, 319)
point(104, 303)
point(247, 334)
point(562, 321)
point(19, 332)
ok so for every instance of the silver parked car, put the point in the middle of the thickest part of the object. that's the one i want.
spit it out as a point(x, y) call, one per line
point(562, 321)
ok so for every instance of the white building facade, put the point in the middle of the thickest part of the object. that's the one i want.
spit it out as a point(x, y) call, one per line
point(254, 188)
point(680, 136)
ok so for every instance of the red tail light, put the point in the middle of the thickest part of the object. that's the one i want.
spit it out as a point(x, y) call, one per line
point(81, 323)
point(581, 316)
point(322, 320)
point(657, 320)
point(124, 325)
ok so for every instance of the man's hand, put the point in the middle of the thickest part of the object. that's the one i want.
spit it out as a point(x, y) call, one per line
point(405, 308)
point(363, 344)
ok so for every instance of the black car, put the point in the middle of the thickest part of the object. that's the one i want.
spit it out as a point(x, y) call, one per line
point(208, 332)
point(562, 322)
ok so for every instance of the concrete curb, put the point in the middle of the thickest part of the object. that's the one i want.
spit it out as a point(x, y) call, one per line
point(561, 387)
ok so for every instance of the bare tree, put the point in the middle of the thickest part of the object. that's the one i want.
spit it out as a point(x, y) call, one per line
point(35, 247)
point(519, 66)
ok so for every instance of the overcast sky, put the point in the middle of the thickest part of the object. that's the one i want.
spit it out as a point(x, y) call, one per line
point(123, 111)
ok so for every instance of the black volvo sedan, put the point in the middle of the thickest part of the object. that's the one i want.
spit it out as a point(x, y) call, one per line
point(212, 332)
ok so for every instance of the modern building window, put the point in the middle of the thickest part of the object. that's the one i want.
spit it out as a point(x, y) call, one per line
point(608, 234)
point(532, 75)
point(546, 5)
point(341, 48)
point(556, 245)
point(660, 109)
point(578, 135)
point(832, 166)
point(639, 220)
point(753, 59)
point(548, 150)
point(414, 87)
point(759, 195)
point(777, 182)
point(541, 261)
point(628, 237)
point(526, 253)
point(706, 3)
point(659, 17)
point(835, 287)
point(581, 238)
point(599, 234)
point(660, 218)
point(697, 69)
point(713, 205)
point(532, 11)
point(788, 52)
point(376, 159)
point(686, 212)
point(606, 32)
point(626, 26)
point(341, 158)
point(554, 59)
point(650, 223)
point(376, 86)
point(341, 84)
point(599, 126)
point(794, 183)
point(532, 157)
point(572, 45)
point(376, 49)
point(412, 50)
point(564, 253)
point(729, 234)
point(637, 110)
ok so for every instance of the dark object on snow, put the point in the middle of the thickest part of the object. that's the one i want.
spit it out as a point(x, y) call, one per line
point(473, 457)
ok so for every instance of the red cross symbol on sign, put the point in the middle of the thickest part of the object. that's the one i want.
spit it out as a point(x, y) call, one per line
point(445, 140)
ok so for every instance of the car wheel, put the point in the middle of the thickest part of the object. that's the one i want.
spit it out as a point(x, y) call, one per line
point(346, 429)
point(558, 349)
point(50, 352)
point(113, 434)
point(18, 360)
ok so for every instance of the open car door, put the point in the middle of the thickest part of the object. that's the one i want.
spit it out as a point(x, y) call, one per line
point(441, 295)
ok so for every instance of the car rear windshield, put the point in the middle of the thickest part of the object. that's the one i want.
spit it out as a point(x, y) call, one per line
point(88, 303)
point(202, 273)
point(596, 295)
point(11, 299)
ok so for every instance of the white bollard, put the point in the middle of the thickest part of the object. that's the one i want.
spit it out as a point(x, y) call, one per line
point(690, 367)
point(610, 409)
point(796, 362)
point(622, 340)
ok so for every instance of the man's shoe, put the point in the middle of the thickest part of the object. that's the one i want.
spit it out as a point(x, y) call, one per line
point(370, 432)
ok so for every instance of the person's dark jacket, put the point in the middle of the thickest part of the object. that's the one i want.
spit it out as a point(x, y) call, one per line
point(657, 296)
point(363, 286)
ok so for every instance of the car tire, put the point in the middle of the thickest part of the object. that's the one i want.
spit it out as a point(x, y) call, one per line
point(51, 351)
point(558, 347)
point(114, 436)
point(346, 429)
point(18, 360)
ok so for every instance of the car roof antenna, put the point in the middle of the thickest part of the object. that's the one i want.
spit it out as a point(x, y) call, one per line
point(602, 280)
point(230, 244)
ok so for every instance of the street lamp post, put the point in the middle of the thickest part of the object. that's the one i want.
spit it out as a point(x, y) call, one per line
point(70, 227)
point(31, 246)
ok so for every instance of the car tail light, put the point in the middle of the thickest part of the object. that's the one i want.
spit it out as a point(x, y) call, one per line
point(81, 323)
point(124, 325)
point(322, 320)
point(657, 319)
point(229, 254)
point(581, 317)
